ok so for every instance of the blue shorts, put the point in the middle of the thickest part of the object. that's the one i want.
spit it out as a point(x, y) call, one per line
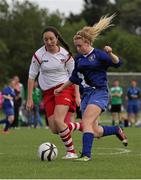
point(8, 111)
point(133, 108)
point(99, 97)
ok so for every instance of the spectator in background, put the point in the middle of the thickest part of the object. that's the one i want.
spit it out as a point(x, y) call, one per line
point(8, 105)
point(116, 93)
point(19, 91)
point(37, 97)
point(133, 96)
point(42, 112)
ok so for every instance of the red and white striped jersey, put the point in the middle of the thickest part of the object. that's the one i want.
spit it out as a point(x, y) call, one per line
point(53, 69)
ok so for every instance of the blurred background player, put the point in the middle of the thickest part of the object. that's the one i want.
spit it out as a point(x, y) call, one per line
point(34, 115)
point(18, 101)
point(133, 99)
point(8, 105)
point(116, 93)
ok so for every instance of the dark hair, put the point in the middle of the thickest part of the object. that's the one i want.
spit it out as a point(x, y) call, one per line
point(58, 35)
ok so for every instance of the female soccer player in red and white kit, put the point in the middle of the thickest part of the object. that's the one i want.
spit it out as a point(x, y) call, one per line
point(54, 64)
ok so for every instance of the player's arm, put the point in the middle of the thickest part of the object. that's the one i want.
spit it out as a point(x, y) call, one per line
point(7, 97)
point(64, 86)
point(77, 95)
point(33, 72)
point(29, 104)
point(115, 58)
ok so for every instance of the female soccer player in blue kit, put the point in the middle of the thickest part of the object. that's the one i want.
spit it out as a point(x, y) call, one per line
point(91, 66)
point(8, 105)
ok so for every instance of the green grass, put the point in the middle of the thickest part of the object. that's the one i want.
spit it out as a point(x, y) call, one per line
point(19, 160)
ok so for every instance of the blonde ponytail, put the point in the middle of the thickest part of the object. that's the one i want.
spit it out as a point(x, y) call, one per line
point(91, 33)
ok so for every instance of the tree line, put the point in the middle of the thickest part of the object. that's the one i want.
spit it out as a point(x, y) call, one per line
point(22, 23)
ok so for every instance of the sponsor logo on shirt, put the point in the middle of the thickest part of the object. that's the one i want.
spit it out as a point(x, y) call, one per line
point(45, 60)
point(62, 60)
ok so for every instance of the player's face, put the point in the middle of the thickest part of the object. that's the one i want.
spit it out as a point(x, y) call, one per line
point(50, 40)
point(82, 46)
point(13, 83)
point(116, 83)
point(133, 83)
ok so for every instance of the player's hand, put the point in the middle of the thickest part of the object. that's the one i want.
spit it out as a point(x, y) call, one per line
point(29, 104)
point(78, 101)
point(108, 49)
point(9, 97)
point(57, 91)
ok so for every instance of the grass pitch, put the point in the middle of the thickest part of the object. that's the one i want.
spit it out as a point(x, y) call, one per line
point(111, 160)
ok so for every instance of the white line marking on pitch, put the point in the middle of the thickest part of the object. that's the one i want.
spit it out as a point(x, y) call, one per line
point(117, 151)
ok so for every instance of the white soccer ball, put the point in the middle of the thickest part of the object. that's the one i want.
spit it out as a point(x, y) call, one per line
point(47, 151)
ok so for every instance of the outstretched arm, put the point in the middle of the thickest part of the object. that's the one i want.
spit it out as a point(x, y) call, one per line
point(114, 57)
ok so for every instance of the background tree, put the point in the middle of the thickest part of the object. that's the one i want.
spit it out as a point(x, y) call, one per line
point(129, 15)
point(22, 23)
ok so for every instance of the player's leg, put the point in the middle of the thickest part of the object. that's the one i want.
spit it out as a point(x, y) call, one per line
point(60, 112)
point(9, 112)
point(10, 120)
point(90, 115)
point(113, 114)
point(3, 121)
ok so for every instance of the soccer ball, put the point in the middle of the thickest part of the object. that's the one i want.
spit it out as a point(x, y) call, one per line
point(47, 151)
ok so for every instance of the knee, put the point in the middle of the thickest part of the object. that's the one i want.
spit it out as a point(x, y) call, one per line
point(53, 130)
point(98, 132)
point(11, 120)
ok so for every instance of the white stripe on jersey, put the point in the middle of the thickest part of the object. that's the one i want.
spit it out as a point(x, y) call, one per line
point(53, 69)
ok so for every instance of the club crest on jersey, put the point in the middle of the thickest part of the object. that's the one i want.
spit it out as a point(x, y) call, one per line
point(91, 58)
point(79, 59)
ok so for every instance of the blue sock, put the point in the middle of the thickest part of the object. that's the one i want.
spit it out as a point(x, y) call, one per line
point(110, 130)
point(7, 125)
point(3, 121)
point(87, 144)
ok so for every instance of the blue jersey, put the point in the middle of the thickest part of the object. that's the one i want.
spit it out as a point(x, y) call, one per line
point(92, 69)
point(133, 91)
point(8, 92)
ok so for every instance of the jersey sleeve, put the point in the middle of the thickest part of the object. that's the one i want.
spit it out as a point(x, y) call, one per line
point(129, 93)
point(34, 67)
point(5, 91)
point(75, 78)
point(139, 93)
point(121, 91)
point(69, 65)
point(106, 59)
